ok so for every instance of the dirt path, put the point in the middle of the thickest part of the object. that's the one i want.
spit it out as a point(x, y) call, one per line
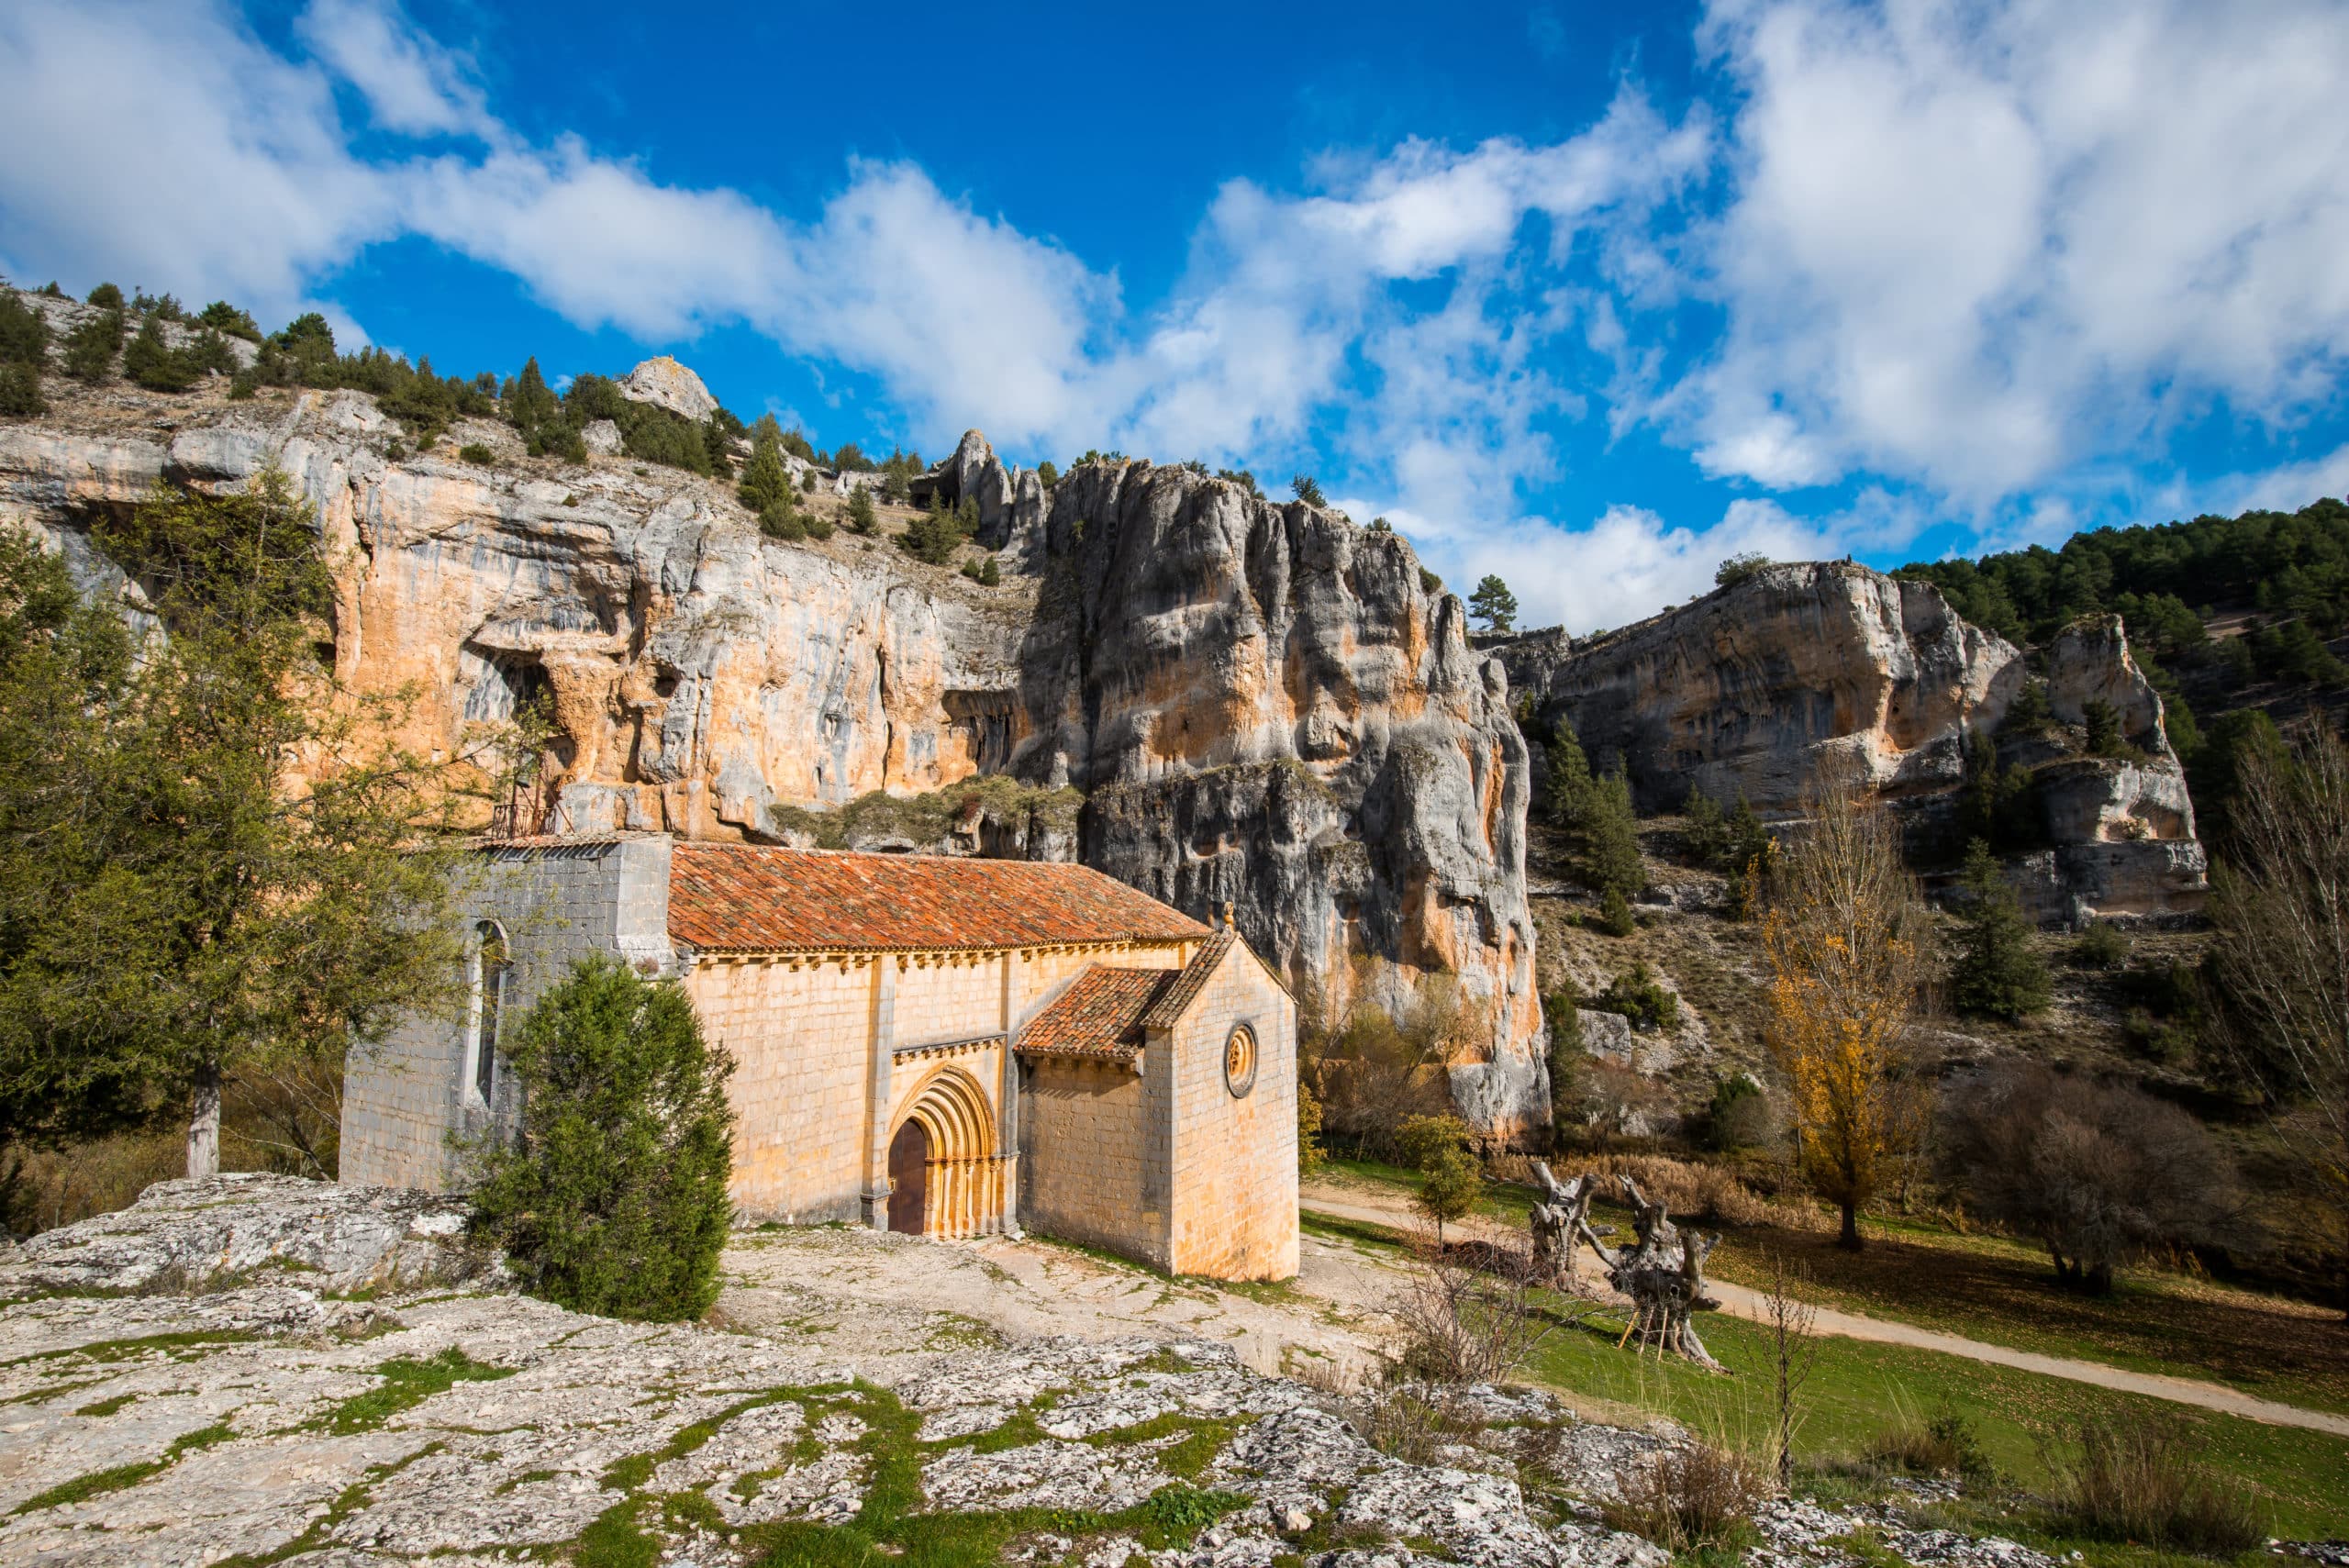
point(1393, 1211)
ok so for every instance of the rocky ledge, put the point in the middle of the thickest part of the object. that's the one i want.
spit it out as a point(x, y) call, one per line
point(276, 1422)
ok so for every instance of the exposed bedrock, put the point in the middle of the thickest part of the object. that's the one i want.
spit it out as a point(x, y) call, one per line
point(1176, 645)
point(1758, 687)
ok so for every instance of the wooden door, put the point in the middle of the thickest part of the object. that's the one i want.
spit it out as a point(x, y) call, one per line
point(908, 1177)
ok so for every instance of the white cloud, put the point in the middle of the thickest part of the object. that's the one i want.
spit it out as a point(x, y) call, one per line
point(163, 145)
point(412, 84)
point(1972, 243)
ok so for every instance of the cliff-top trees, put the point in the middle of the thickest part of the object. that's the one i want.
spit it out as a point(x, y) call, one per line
point(177, 908)
point(1841, 929)
point(1493, 604)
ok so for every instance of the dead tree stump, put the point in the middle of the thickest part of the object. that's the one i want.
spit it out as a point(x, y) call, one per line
point(1662, 1271)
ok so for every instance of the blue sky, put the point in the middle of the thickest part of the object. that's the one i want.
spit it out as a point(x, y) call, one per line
point(1590, 295)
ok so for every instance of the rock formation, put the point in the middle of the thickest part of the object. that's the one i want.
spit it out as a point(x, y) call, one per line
point(665, 383)
point(1759, 686)
point(1266, 705)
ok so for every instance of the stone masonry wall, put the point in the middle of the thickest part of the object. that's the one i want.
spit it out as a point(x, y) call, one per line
point(1234, 1175)
point(1090, 1135)
point(800, 1035)
point(402, 1098)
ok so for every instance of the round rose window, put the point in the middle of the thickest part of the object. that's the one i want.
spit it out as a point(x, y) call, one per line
point(1240, 1061)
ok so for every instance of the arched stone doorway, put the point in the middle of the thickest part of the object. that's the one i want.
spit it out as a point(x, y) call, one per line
point(909, 1188)
point(959, 1190)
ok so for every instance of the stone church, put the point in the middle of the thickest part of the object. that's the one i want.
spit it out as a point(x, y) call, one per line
point(940, 1046)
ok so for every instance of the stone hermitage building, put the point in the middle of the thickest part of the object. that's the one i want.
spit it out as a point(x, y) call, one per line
point(930, 1044)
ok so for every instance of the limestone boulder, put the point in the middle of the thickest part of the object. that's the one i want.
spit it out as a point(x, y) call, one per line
point(666, 384)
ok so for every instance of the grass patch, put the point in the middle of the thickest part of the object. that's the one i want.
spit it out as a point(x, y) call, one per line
point(100, 1482)
point(123, 1349)
point(107, 1407)
point(406, 1383)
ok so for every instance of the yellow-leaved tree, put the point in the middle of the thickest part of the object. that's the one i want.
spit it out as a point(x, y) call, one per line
point(1843, 925)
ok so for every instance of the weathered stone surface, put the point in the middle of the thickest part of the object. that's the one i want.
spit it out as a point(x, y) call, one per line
point(184, 1234)
point(663, 381)
point(265, 1420)
point(1270, 708)
point(1189, 644)
point(1801, 668)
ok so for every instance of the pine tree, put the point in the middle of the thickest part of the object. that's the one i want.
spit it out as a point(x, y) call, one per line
point(1570, 782)
point(1494, 603)
point(150, 361)
point(766, 482)
point(1611, 840)
point(1308, 490)
point(861, 519)
point(1999, 974)
point(532, 404)
point(89, 348)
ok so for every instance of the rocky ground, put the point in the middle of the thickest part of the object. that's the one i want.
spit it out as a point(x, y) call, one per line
point(270, 1396)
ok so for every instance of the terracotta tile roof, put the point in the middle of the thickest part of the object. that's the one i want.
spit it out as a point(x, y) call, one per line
point(1100, 1013)
point(1190, 983)
point(753, 898)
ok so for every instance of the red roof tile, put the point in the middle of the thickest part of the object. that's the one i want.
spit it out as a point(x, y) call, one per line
point(1099, 1014)
point(751, 898)
point(1168, 1010)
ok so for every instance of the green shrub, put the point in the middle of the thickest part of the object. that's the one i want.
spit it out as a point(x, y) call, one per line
point(1636, 994)
point(1738, 568)
point(107, 296)
point(151, 363)
point(20, 395)
point(1738, 1117)
point(1615, 916)
point(1430, 584)
point(613, 1199)
point(1047, 475)
point(24, 332)
point(816, 525)
point(2029, 714)
point(861, 517)
point(473, 451)
point(1439, 1148)
point(89, 348)
point(2102, 945)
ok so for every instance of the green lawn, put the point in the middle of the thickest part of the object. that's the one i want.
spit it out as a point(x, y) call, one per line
point(2300, 1478)
point(2001, 1290)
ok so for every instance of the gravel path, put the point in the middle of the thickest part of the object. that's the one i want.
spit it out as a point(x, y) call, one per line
point(1382, 1208)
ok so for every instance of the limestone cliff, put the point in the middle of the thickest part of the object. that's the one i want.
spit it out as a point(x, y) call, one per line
point(1756, 687)
point(1262, 702)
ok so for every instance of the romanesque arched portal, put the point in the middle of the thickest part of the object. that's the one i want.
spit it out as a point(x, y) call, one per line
point(963, 1177)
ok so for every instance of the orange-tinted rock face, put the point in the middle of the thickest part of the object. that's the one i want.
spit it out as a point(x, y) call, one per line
point(1193, 648)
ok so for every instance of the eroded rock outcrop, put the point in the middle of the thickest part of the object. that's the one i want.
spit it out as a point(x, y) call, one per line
point(1179, 644)
point(1268, 707)
point(1758, 687)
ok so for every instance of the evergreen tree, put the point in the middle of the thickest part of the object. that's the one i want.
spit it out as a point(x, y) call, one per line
point(614, 1200)
point(533, 404)
point(1570, 782)
point(180, 911)
point(861, 517)
point(1611, 840)
point(1047, 475)
point(151, 362)
point(1494, 605)
point(20, 395)
point(1998, 974)
point(1308, 490)
point(89, 348)
point(24, 333)
point(107, 296)
point(1705, 834)
point(766, 482)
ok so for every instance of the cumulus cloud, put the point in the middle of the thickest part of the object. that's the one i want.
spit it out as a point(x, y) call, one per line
point(1990, 251)
point(1969, 243)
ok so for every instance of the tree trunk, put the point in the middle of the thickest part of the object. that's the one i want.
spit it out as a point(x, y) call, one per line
point(204, 1123)
point(1850, 1239)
